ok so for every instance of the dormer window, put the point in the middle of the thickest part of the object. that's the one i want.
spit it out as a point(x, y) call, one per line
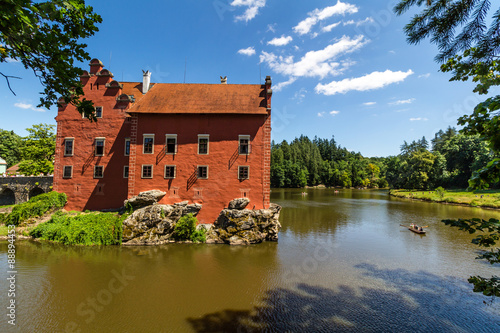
point(105, 72)
point(114, 84)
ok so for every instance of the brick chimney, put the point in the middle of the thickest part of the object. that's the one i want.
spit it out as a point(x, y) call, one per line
point(146, 80)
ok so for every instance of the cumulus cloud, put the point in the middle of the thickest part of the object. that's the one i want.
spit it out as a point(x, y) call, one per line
point(280, 41)
point(317, 15)
point(424, 76)
point(418, 119)
point(375, 80)
point(333, 113)
point(252, 10)
point(359, 23)
point(27, 106)
point(282, 85)
point(329, 28)
point(249, 51)
point(315, 63)
point(403, 101)
point(369, 103)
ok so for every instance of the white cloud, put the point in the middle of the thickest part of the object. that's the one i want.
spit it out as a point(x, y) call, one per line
point(358, 23)
point(300, 95)
point(418, 119)
point(252, 8)
point(392, 52)
point(425, 76)
point(271, 27)
point(375, 80)
point(329, 28)
point(317, 15)
point(249, 51)
point(369, 103)
point(321, 114)
point(333, 113)
point(403, 101)
point(27, 106)
point(315, 63)
point(280, 41)
point(282, 85)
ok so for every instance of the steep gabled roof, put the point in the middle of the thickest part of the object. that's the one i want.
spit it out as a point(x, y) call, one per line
point(202, 98)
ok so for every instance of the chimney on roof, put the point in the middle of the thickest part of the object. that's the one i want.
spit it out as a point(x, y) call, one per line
point(223, 80)
point(146, 80)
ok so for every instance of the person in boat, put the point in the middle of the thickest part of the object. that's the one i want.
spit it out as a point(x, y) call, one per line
point(412, 225)
point(420, 229)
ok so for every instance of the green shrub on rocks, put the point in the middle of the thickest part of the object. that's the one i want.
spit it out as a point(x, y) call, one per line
point(185, 229)
point(82, 229)
point(36, 206)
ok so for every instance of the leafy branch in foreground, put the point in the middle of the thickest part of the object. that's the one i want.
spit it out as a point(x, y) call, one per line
point(487, 286)
point(46, 37)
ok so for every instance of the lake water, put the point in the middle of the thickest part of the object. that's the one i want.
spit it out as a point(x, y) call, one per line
point(342, 263)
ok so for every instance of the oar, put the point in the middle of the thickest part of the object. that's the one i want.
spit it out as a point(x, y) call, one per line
point(404, 226)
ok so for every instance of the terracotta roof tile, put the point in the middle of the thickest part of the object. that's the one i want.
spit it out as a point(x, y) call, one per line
point(201, 98)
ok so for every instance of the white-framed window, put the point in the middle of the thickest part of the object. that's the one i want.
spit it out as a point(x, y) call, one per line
point(125, 171)
point(244, 147)
point(170, 171)
point(148, 144)
point(98, 111)
point(99, 146)
point(69, 145)
point(203, 140)
point(243, 172)
point(127, 147)
point(98, 171)
point(147, 171)
point(68, 171)
point(202, 172)
point(170, 143)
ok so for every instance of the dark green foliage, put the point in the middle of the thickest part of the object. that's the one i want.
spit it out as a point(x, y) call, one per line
point(185, 229)
point(38, 151)
point(82, 229)
point(46, 37)
point(440, 192)
point(10, 144)
point(36, 206)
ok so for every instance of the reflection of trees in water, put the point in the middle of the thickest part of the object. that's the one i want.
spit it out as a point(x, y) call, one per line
point(417, 302)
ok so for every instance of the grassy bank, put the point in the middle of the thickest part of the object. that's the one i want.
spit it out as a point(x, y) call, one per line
point(484, 198)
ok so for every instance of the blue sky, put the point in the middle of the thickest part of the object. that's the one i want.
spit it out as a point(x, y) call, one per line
point(339, 68)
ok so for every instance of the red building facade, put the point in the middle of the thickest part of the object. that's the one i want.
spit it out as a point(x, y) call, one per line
point(201, 143)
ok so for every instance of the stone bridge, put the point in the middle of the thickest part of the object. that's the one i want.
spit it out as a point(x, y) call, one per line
point(14, 190)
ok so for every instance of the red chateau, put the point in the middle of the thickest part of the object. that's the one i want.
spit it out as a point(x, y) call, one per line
point(204, 143)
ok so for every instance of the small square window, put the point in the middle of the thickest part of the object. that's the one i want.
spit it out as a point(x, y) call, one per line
point(127, 147)
point(169, 171)
point(170, 143)
point(68, 146)
point(68, 171)
point(243, 172)
point(148, 146)
point(125, 171)
point(244, 144)
point(203, 144)
point(98, 171)
point(99, 147)
point(147, 171)
point(202, 172)
point(98, 110)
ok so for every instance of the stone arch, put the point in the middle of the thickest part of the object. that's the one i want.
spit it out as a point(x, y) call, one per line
point(7, 197)
point(35, 191)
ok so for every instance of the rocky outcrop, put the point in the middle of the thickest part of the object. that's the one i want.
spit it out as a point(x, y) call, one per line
point(245, 226)
point(144, 199)
point(154, 224)
point(239, 203)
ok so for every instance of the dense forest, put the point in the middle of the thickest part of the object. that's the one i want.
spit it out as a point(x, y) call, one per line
point(448, 161)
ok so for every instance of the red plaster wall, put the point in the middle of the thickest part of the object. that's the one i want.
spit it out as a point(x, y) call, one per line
point(82, 189)
point(223, 160)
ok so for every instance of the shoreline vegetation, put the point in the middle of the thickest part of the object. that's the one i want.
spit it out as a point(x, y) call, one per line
point(482, 198)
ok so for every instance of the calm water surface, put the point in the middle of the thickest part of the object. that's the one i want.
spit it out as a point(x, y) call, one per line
point(342, 263)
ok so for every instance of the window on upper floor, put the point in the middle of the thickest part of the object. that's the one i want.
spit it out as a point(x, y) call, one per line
point(169, 171)
point(148, 143)
point(203, 144)
point(125, 171)
point(243, 172)
point(147, 171)
point(202, 172)
point(98, 111)
point(127, 146)
point(170, 143)
point(68, 171)
point(68, 146)
point(99, 146)
point(244, 144)
point(98, 171)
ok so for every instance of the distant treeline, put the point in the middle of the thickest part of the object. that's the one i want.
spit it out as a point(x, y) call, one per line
point(449, 163)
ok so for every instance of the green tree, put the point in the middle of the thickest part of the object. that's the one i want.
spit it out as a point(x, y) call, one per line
point(38, 150)
point(46, 37)
point(10, 144)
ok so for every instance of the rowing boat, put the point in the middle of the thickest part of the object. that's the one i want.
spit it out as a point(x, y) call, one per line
point(415, 230)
